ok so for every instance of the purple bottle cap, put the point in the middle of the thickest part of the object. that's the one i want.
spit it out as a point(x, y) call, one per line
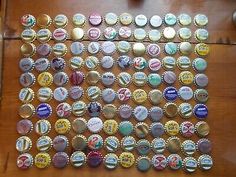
point(60, 143)
point(94, 109)
point(58, 64)
point(94, 34)
point(44, 50)
point(76, 78)
point(60, 160)
point(94, 158)
point(170, 93)
point(200, 111)
point(24, 126)
point(95, 19)
point(125, 111)
point(201, 80)
point(76, 92)
point(169, 77)
point(204, 146)
point(43, 110)
point(153, 50)
point(156, 113)
point(157, 129)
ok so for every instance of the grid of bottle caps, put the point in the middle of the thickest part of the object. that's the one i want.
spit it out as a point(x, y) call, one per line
point(108, 92)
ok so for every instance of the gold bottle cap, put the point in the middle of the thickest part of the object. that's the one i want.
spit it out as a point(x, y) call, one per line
point(127, 159)
point(139, 49)
point(170, 109)
point(110, 127)
point(44, 21)
point(62, 126)
point(28, 49)
point(139, 96)
point(79, 125)
point(202, 129)
point(93, 77)
point(202, 49)
point(186, 77)
point(79, 142)
point(172, 128)
point(141, 129)
point(173, 144)
point(42, 160)
point(26, 111)
point(109, 111)
point(155, 96)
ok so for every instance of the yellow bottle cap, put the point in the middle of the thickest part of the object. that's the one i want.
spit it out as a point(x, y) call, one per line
point(45, 79)
point(28, 49)
point(92, 77)
point(127, 159)
point(126, 19)
point(42, 160)
point(186, 77)
point(109, 111)
point(170, 109)
point(44, 21)
point(110, 127)
point(202, 49)
point(139, 49)
point(77, 34)
point(172, 128)
point(139, 96)
point(62, 126)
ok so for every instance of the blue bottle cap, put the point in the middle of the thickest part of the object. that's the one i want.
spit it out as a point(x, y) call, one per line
point(43, 110)
point(200, 111)
point(170, 93)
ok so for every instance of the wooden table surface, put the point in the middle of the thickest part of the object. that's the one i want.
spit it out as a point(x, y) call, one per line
point(221, 71)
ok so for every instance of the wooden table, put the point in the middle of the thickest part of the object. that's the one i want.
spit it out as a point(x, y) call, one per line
point(221, 72)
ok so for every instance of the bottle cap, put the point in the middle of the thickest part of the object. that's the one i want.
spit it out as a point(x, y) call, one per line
point(141, 130)
point(59, 49)
point(123, 47)
point(143, 147)
point(77, 78)
point(170, 48)
point(42, 127)
point(159, 162)
point(78, 159)
point(108, 79)
point(91, 62)
point(155, 21)
point(79, 125)
point(124, 32)
point(24, 161)
point(187, 129)
point(139, 78)
point(28, 35)
point(107, 62)
point(174, 161)
point(60, 160)
point(185, 48)
point(60, 35)
point(186, 78)
point(199, 64)
point(154, 64)
point(169, 77)
point(77, 34)
point(200, 111)
point(60, 94)
point(126, 128)
point(126, 19)
point(125, 111)
point(24, 127)
point(202, 129)
point(158, 145)
point(23, 144)
point(190, 164)
point(95, 142)
point(62, 126)
point(109, 111)
point(111, 18)
point(183, 63)
point(28, 21)
point(79, 142)
point(188, 147)
point(139, 34)
point(110, 161)
point(154, 35)
point(110, 127)
point(155, 96)
point(63, 110)
point(28, 49)
point(60, 143)
point(154, 80)
point(60, 21)
point(44, 143)
point(109, 33)
point(77, 48)
point(45, 79)
point(202, 49)
point(92, 48)
point(184, 34)
point(123, 94)
point(185, 110)
point(139, 96)
point(201, 80)
point(94, 109)
point(140, 113)
point(157, 129)
point(76, 92)
point(27, 79)
point(111, 144)
point(95, 19)
point(155, 113)
point(128, 143)
point(44, 50)
point(78, 19)
point(204, 146)
point(44, 35)
point(42, 64)
point(42, 160)
point(168, 63)
point(173, 144)
point(139, 63)
point(205, 162)
point(108, 48)
point(169, 33)
point(143, 163)
point(108, 95)
point(140, 20)
point(200, 20)
point(201, 34)
point(60, 79)
point(26, 64)
point(44, 21)
point(185, 93)
point(126, 159)
point(172, 127)
point(44, 110)
point(94, 34)
point(170, 19)
point(79, 108)
point(138, 49)
point(124, 61)
point(93, 93)
point(170, 93)
point(201, 95)
point(95, 124)
point(44, 94)
point(94, 158)
point(184, 19)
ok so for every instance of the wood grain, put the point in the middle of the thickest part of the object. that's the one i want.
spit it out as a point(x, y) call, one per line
point(221, 70)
